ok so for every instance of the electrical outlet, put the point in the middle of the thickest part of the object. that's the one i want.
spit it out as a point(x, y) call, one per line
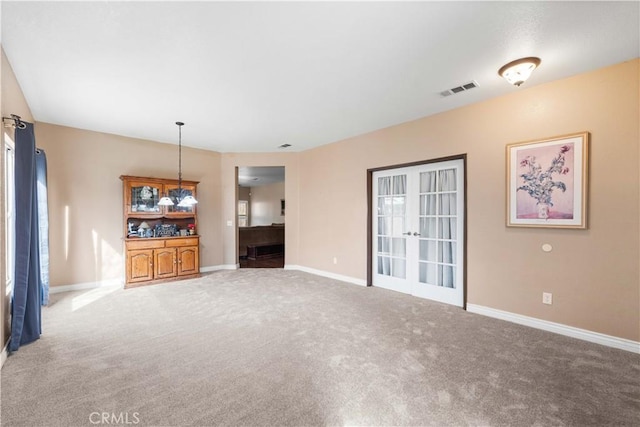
point(335, 260)
point(547, 298)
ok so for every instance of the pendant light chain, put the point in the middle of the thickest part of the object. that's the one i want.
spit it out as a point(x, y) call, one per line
point(187, 201)
point(180, 124)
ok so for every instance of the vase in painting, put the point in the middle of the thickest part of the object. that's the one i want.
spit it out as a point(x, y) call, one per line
point(543, 211)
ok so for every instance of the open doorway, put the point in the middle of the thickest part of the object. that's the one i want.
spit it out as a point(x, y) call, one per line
point(261, 217)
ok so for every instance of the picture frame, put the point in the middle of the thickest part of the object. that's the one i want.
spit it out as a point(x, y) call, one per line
point(547, 182)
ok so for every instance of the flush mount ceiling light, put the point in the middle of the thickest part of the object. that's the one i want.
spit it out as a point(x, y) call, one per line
point(518, 71)
point(183, 201)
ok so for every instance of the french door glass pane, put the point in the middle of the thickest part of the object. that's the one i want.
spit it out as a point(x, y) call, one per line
point(384, 186)
point(447, 180)
point(399, 268)
point(384, 205)
point(399, 247)
point(447, 204)
point(384, 265)
point(384, 226)
point(447, 252)
point(427, 250)
point(447, 228)
point(428, 273)
point(399, 204)
point(398, 225)
point(384, 245)
point(428, 227)
point(400, 184)
point(428, 204)
point(446, 276)
point(428, 182)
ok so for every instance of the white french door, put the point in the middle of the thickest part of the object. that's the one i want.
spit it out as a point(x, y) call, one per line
point(418, 230)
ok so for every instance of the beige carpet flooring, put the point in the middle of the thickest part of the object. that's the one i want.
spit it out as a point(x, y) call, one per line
point(258, 347)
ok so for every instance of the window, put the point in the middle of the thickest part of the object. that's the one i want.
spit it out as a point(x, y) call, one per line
point(9, 214)
point(243, 213)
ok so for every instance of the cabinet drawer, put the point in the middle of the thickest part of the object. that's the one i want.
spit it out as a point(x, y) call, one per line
point(180, 242)
point(145, 244)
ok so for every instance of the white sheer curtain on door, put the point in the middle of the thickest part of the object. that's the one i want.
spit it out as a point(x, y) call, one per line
point(447, 227)
point(391, 211)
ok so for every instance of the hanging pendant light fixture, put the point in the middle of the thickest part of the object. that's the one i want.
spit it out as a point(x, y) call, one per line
point(183, 201)
point(165, 201)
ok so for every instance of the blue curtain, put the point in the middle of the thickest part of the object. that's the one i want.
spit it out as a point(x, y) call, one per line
point(26, 302)
point(43, 224)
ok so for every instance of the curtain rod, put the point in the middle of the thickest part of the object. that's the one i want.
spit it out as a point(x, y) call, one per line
point(17, 122)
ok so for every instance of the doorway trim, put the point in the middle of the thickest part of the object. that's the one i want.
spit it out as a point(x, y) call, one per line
point(370, 172)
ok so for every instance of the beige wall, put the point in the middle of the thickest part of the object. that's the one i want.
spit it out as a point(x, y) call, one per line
point(230, 163)
point(85, 198)
point(12, 102)
point(265, 204)
point(593, 274)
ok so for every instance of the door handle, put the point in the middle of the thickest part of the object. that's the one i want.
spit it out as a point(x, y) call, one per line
point(408, 233)
point(416, 234)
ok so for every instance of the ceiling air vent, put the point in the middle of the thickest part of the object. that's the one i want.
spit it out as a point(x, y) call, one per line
point(458, 89)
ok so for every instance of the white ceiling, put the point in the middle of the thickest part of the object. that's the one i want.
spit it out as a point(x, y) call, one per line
point(250, 76)
point(261, 175)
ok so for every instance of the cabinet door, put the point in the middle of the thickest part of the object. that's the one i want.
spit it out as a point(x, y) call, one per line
point(139, 265)
point(176, 194)
point(165, 263)
point(188, 262)
point(142, 198)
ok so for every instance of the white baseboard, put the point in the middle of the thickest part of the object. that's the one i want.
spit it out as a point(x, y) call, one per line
point(219, 267)
point(558, 328)
point(4, 354)
point(120, 282)
point(323, 273)
point(86, 285)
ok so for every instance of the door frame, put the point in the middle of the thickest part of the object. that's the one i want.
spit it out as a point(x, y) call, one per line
point(370, 172)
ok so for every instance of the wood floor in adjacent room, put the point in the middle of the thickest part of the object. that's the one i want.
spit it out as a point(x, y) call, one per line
point(272, 262)
point(273, 347)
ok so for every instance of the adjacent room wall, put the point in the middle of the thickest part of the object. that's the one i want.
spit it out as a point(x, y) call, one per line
point(13, 102)
point(265, 204)
point(593, 274)
point(229, 181)
point(244, 193)
point(85, 198)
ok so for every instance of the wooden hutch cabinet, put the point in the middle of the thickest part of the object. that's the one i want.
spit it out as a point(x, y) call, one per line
point(161, 242)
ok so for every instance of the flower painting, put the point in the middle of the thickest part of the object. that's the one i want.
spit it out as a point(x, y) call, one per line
point(544, 177)
point(547, 182)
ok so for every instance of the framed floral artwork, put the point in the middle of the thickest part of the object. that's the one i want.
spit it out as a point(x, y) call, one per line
point(547, 182)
